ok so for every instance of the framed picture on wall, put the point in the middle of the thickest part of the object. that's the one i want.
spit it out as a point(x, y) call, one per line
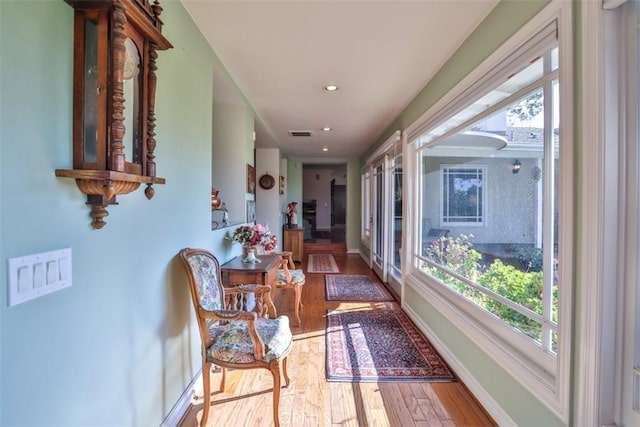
point(251, 179)
point(281, 184)
point(251, 210)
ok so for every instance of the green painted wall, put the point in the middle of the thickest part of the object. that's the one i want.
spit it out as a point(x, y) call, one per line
point(232, 145)
point(294, 183)
point(120, 346)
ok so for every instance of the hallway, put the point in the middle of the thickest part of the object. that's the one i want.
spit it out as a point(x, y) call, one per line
point(311, 400)
point(335, 235)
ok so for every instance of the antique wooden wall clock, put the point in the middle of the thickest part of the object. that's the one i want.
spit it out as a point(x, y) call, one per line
point(114, 77)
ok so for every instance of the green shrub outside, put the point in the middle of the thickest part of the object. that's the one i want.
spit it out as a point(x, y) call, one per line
point(522, 286)
point(529, 259)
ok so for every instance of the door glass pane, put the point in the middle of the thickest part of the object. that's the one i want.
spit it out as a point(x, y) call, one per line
point(397, 219)
point(378, 194)
point(366, 205)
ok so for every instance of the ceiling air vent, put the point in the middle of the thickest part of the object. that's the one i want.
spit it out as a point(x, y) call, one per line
point(300, 133)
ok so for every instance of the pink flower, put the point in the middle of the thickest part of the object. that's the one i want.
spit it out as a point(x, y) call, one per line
point(257, 235)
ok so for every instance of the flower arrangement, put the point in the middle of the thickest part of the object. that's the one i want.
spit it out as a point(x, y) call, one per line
point(257, 235)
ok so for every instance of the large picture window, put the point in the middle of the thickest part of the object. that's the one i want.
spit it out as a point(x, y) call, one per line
point(501, 266)
point(488, 247)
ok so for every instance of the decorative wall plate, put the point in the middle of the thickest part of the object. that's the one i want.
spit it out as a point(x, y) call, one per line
point(267, 181)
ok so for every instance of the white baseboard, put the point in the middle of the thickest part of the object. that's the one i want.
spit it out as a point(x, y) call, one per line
point(182, 405)
point(364, 258)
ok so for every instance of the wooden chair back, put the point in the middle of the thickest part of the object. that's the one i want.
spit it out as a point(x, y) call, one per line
point(205, 283)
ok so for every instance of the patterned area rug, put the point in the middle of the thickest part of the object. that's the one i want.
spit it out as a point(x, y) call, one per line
point(322, 263)
point(354, 287)
point(378, 346)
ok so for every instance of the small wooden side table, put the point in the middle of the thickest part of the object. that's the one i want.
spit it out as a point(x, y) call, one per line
point(265, 272)
point(294, 242)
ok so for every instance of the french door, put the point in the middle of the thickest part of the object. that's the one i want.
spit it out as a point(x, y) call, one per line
point(382, 211)
point(379, 242)
point(386, 229)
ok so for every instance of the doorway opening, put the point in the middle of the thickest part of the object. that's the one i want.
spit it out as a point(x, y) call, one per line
point(324, 203)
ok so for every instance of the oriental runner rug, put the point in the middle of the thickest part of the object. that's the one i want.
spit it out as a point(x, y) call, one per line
point(354, 287)
point(380, 346)
point(322, 263)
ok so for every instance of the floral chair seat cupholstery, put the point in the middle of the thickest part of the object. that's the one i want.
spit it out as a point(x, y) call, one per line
point(297, 277)
point(232, 342)
point(232, 336)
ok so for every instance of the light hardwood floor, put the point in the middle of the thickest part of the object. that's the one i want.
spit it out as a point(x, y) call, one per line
point(311, 400)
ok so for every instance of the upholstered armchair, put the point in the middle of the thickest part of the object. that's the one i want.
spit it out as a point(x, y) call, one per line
point(231, 336)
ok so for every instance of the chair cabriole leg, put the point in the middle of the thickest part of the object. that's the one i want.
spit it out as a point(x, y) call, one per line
point(275, 372)
point(297, 290)
point(284, 372)
point(206, 388)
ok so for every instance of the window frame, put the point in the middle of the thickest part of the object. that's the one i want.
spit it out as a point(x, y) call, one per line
point(483, 215)
point(610, 160)
point(548, 379)
point(629, 284)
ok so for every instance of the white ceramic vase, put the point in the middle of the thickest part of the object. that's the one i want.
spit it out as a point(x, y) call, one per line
point(251, 255)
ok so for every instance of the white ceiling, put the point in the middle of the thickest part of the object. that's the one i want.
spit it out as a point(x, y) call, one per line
point(380, 53)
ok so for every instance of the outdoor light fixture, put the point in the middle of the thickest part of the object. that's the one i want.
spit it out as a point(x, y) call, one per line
point(515, 168)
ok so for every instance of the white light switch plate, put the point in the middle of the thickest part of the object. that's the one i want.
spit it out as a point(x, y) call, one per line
point(36, 275)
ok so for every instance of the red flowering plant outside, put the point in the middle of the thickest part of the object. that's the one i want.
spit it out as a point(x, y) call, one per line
point(252, 236)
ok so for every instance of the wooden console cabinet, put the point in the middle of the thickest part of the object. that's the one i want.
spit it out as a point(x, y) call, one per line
point(294, 242)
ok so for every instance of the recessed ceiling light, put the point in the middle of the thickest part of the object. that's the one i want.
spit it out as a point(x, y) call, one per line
point(326, 129)
point(325, 149)
point(331, 88)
